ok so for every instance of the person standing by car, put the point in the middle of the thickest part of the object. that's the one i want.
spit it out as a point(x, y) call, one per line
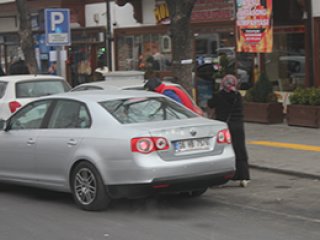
point(176, 93)
point(155, 85)
point(228, 108)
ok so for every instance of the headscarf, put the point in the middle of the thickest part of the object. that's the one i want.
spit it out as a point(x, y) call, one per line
point(229, 83)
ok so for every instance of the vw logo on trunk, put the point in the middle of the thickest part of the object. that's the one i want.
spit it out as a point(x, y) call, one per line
point(193, 132)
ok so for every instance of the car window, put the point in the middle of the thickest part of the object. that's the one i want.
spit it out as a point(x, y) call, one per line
point(69, 114)
point(137, 110)
point(3, 86)
point(30, 117)
point(30, 89)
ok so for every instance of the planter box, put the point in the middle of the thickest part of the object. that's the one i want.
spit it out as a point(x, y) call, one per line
point(263, 112)
point(303, 115)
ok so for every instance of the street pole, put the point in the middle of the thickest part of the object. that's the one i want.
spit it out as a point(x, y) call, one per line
point(310, 42)
point(108, 36)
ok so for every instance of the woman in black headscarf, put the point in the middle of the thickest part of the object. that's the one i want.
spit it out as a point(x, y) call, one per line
point(228, 108)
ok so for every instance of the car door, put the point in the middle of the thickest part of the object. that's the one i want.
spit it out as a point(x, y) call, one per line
point(19, 140)
point(69, 122)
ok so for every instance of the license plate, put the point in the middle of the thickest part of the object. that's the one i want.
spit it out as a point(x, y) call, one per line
point(192, 145)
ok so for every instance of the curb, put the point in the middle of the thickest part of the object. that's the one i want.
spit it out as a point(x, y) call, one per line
point(287, 172)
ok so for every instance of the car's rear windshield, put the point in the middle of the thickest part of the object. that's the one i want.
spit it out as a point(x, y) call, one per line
point(31, 89)
point(3, 86)
point(139, 110)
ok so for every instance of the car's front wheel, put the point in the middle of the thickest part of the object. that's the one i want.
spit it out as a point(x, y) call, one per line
point(88, 189)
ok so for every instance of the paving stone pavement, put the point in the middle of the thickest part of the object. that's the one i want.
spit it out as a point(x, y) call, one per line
point(283, 148)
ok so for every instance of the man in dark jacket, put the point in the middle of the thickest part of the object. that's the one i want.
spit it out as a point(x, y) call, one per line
point(155, 84)
point(174, 92)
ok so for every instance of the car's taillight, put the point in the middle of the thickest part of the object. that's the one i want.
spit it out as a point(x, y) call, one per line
point(14, 105)
point(148, 144)
point(224, 136)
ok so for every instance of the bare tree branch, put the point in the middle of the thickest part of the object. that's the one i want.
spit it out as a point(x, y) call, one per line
point(26, 38)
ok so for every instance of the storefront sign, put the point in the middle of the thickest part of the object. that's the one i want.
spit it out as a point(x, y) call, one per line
point(212, 11)
point(161, 13)
point(203, 11)
point(254, 26)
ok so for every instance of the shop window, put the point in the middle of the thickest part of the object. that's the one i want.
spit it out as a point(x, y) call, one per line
point(144, 52)
point(286, 64)
point(201, 46)
point(294, 9)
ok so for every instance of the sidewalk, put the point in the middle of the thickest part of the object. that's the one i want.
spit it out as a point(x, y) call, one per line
point(299, 155)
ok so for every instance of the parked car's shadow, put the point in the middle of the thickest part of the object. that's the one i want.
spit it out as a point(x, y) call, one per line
point(153, 203)
point(36, 193)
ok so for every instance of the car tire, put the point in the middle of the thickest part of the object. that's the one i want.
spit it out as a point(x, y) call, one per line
point(195, 193)
point(87, 187)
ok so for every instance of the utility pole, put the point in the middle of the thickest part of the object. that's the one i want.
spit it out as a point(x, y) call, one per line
point(108, 36)
point(310, 42)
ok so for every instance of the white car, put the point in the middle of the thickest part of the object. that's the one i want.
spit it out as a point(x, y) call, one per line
point(18, 90)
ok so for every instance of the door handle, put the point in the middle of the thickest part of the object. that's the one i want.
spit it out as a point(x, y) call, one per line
point(72, 142)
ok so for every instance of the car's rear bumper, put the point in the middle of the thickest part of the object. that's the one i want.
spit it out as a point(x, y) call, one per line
point(183, 184)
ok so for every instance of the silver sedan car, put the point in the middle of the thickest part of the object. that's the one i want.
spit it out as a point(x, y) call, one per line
point(117, 144)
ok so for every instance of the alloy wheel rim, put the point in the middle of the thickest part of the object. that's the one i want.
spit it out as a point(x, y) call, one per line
point(85, 186)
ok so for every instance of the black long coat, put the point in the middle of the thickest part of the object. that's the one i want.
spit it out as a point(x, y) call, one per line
point(228, 108)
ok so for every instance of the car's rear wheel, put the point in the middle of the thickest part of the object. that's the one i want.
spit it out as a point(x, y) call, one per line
point(88, 189)
point(195, 193)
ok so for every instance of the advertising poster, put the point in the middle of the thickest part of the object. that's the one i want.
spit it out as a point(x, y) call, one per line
point(254, 26)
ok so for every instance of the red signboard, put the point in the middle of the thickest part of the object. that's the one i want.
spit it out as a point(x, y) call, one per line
point(212, 11)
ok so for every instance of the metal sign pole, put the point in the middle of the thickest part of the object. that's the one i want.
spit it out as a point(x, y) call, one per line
point(59, 66)
point(108, 36)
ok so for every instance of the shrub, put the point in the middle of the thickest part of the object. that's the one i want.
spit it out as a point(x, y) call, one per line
point(262, 91)
point(305, 96)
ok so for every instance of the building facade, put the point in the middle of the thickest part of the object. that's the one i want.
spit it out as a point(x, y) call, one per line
point(293, 61)
point(140, 38)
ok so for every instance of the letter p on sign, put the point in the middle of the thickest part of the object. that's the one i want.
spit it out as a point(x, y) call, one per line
point(56, 19)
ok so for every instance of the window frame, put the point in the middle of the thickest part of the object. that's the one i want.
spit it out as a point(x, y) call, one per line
point(82, 104)
point(23, 109)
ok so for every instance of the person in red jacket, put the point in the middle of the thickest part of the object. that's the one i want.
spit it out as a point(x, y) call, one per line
point(172, 91)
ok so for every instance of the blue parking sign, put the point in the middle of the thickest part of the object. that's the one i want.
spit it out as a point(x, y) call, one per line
point(57, 27)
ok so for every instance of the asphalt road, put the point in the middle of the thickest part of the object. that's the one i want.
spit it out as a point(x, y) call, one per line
point(273, 207)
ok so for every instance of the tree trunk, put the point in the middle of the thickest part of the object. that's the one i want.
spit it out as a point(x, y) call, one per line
point(26, 38)
point(181, 37)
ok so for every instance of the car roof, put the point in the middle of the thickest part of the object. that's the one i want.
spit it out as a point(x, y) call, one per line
point(103, 95)
point(26, 77)
point(120, 83)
